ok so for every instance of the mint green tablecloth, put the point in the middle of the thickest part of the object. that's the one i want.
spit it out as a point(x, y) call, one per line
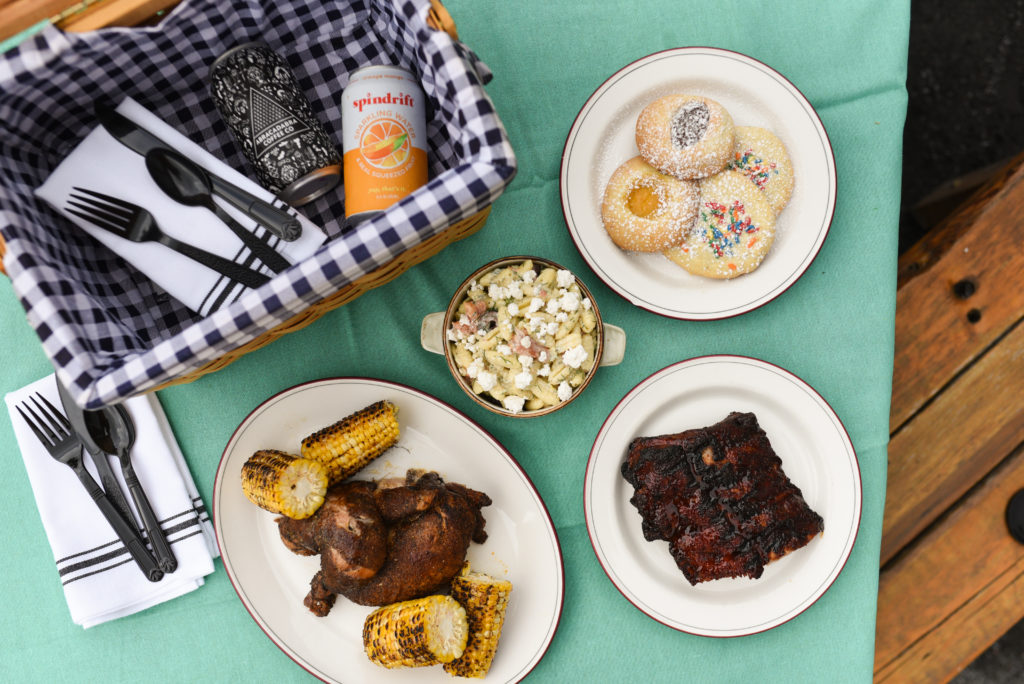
point(834, 329)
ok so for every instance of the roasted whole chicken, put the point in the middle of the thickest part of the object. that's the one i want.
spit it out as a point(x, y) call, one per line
point(387, 541)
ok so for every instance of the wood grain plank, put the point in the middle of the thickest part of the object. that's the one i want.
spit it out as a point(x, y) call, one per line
point(956, 590)
point(18, 15)
point(939, 333)
point(942, 653)
point(954, 442)
point(115, 13)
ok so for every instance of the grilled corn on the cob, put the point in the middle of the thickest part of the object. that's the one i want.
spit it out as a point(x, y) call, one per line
point(424, 631)
point(282, 483)
point(354, 441)
point(485, 599)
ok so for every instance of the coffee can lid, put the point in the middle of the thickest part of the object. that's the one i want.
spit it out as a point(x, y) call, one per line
point(311, 186)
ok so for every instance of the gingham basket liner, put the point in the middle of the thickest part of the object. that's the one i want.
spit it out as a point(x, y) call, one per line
point(115, 336)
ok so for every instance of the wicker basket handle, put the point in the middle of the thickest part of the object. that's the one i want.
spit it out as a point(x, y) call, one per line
point(438, 19)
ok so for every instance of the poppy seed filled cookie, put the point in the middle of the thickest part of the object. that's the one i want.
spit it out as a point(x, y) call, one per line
point(686, 136)
point(734, 230)
point(646, 211)
point(761, 156)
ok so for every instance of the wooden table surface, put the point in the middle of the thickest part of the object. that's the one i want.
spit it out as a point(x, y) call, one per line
point(952, 577)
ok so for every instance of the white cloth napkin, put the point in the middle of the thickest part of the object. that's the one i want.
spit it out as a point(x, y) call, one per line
point(102, 164)
point(101, 581)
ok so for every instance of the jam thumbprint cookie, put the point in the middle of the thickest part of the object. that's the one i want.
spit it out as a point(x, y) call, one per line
point(686, 136)
point(733, 232)
point(645, 210)
point(762, 157)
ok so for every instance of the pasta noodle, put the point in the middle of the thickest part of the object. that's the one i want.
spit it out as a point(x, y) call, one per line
point(525, 336)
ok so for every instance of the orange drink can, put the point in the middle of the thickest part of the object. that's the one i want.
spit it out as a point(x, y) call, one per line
point(383, 125)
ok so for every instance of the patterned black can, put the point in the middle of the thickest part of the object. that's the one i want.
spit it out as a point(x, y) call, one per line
point(259, 98)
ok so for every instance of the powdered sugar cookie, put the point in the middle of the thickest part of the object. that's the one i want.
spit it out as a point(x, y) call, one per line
point(686, 136)
point(762, 157)
point(646, 211)
point(733, 232)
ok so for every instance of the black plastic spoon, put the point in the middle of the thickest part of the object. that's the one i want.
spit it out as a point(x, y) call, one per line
point(113, 431)
point(186, 182)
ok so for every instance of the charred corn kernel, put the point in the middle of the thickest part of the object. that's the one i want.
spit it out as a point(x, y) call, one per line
point(282, 483)
point(354, 441)
point(424, 631)
point(485, 599)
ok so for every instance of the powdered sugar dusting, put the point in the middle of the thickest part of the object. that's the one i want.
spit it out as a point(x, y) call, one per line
point(673, 137)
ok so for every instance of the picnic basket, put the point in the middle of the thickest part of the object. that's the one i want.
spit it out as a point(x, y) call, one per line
point(108, 342)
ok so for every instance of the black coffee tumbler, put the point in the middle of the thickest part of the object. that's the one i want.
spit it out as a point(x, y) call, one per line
point(259, 98)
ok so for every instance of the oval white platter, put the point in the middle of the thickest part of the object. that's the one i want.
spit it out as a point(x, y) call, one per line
point(271, 581)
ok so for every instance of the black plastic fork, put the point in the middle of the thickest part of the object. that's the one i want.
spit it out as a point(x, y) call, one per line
point(135, 223)
point(54, 431)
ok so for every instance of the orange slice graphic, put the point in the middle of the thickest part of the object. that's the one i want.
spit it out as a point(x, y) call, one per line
point(385, 144)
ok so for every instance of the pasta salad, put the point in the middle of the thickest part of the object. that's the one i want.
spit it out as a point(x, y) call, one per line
point(525, 335)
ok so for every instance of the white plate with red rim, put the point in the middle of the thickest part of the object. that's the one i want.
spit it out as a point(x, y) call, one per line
point(817, 456)
point(603, 137)
point(271, 581)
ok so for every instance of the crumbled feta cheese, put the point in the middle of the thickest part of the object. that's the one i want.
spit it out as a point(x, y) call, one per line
point(504, 349)
point(514, 290)
point(561, 317)
point(451, 335)
point(487, 380)
point(543, 357)
point(525, 361)
point(513, 309)
point(523, 379)
point(570, 301)
point(564, 391)
point(536, 304)
point(552, 327)
point(586, 303)
point(529, 277)
point(575, 357)
point(474, 368)
point(513, 403)
point(496, 292)
point(544, 370)
point(565, 278)
point(552, 306)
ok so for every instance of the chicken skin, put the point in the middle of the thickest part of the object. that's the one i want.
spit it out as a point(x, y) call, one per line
point(387, 541)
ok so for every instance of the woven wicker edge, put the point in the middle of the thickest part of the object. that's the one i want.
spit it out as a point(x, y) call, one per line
point(438, 18)
point(361, 286)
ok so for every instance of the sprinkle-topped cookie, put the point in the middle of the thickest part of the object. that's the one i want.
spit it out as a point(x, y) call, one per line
point(734, 230)
point(761, 156)
point(686, 136)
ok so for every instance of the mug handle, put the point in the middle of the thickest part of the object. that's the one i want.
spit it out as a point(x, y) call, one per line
point(432, 339)
point(432, 332)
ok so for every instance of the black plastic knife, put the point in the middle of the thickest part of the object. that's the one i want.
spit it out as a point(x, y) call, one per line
point(141, 141)
point(108, 480)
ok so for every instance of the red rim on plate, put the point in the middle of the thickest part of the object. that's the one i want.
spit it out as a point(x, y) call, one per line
point(817, 454)
point(270, 583)
point(602, 137)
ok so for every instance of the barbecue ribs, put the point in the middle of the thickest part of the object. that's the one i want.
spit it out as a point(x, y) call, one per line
point(719, 497)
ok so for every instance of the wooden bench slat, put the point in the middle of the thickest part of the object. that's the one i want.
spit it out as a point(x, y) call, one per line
point(956, 590)
point(954, 442)
point(934, 338)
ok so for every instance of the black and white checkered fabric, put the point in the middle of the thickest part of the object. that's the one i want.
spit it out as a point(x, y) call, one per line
point(110, 332)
